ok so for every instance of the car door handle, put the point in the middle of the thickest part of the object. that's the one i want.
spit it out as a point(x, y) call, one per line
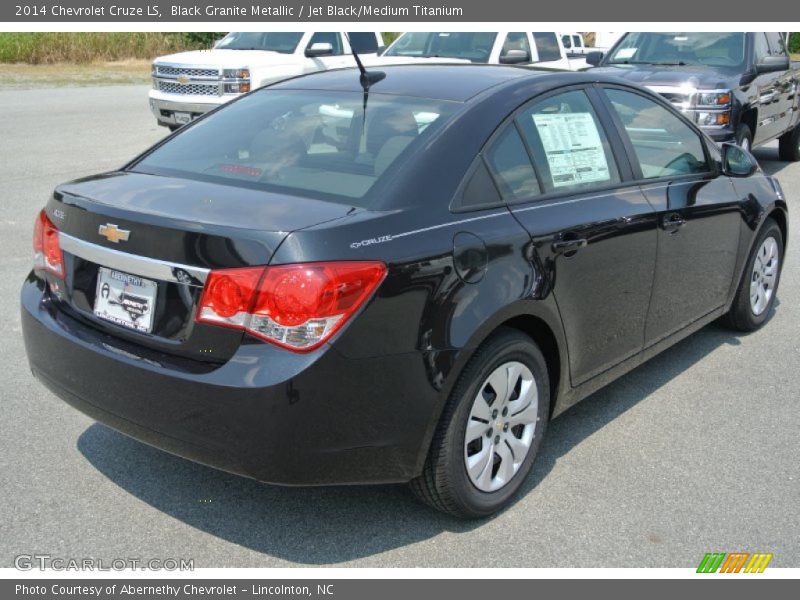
point(565, 246)
point(672, 222)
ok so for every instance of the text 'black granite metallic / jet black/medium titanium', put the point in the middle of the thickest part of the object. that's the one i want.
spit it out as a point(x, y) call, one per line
point(322, 284)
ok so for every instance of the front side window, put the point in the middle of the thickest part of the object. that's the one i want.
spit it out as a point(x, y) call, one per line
point(570, 148)
point(547, 46)
point(363, 42)
point(475, 47)
point(665, 145)
point(312, 143)
point(517, 42)
point(284, 42)
point(777, 44)
point(761, 47)
point(717, 49)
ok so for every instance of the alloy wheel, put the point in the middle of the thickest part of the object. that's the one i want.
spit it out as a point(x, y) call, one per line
point(764, 275)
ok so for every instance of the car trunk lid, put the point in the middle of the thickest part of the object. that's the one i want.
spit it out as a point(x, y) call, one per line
point(137, 250)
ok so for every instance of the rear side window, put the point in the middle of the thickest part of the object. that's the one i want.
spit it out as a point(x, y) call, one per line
point(665, 146)
point(512, 169)
point(480, 189)
point(547, 46)
point(569, 146)
point(314, 143)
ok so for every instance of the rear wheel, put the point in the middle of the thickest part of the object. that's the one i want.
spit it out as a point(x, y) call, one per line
point(755, 296)
point(490, 430)
point(789, 145)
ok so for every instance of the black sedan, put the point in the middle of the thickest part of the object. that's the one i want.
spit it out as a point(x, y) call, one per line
point(398, 277)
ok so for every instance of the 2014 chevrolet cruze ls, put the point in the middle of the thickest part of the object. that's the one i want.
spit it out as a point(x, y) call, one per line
point(324, 284)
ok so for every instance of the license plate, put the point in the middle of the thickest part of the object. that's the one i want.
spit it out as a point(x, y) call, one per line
point(182, 118)
point(127, 300)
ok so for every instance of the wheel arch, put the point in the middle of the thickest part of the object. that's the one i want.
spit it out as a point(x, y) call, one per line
point(778, 214)
point(750, 118)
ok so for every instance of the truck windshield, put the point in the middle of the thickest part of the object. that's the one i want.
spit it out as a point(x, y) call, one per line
point(721, 49)
point(284, 42)
point(475, 47)
point(303, 142)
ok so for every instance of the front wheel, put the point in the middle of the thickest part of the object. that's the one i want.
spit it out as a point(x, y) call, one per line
point(744, 137)
point(490, 430)
point(789, 145)
point(755, 296)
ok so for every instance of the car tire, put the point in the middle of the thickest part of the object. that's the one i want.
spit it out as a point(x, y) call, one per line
point(446, 482)
point(789, 145)
point(744, 137)
point(758, 287)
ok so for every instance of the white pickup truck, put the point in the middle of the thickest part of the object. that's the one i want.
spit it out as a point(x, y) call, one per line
point(535, 49)
point(188, 84)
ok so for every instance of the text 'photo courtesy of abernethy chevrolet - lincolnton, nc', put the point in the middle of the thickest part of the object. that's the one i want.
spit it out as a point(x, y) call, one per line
point(392, 272)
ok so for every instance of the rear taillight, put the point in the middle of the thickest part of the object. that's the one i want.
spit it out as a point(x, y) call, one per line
point(298, 307)
point(47, 255)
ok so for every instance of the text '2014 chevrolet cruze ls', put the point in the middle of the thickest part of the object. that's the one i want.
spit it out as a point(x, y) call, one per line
point(322, 284)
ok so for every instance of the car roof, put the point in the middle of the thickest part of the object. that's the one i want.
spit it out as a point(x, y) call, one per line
point(453, 82)
point(440, 82)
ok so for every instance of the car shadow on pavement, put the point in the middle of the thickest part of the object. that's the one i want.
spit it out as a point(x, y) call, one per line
point(337, 524)
point(767, 157)
point(592, 414)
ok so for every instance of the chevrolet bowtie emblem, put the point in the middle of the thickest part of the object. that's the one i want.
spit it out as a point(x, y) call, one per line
point(183, 79)
point(113, 233)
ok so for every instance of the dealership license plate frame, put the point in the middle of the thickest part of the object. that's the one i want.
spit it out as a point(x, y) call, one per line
point(182, 118)
point(129, 300)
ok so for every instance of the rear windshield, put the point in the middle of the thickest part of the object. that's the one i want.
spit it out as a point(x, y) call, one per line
point(314, 143)
point(284, 42)
point(475, 47)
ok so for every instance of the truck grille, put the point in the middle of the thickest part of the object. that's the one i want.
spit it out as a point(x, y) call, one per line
point(193, 89)
point(177, 71)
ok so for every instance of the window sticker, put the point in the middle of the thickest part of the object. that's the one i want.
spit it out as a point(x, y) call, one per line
point(573, 148)
point(624, 53)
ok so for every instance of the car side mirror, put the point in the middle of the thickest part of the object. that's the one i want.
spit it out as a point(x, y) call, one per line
point(770, 64)
point(594, 58)
point(319, 49)
point(737, 162)
point(514, 57)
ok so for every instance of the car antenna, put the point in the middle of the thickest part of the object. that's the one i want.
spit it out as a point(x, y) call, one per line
point(366, 79)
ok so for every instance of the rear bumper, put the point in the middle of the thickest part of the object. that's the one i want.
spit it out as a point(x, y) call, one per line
point(269, 414)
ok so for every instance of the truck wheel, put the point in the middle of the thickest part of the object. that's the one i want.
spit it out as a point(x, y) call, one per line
point(789, 145)
point(744, 137)
point(490, 429)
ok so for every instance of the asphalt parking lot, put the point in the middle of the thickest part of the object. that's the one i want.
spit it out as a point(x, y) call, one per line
point(694, 452)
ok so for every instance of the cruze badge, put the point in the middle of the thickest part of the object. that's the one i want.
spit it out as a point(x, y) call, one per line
point(113, 233)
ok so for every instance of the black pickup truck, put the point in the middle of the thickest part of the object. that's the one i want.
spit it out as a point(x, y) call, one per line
point(738, 87)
